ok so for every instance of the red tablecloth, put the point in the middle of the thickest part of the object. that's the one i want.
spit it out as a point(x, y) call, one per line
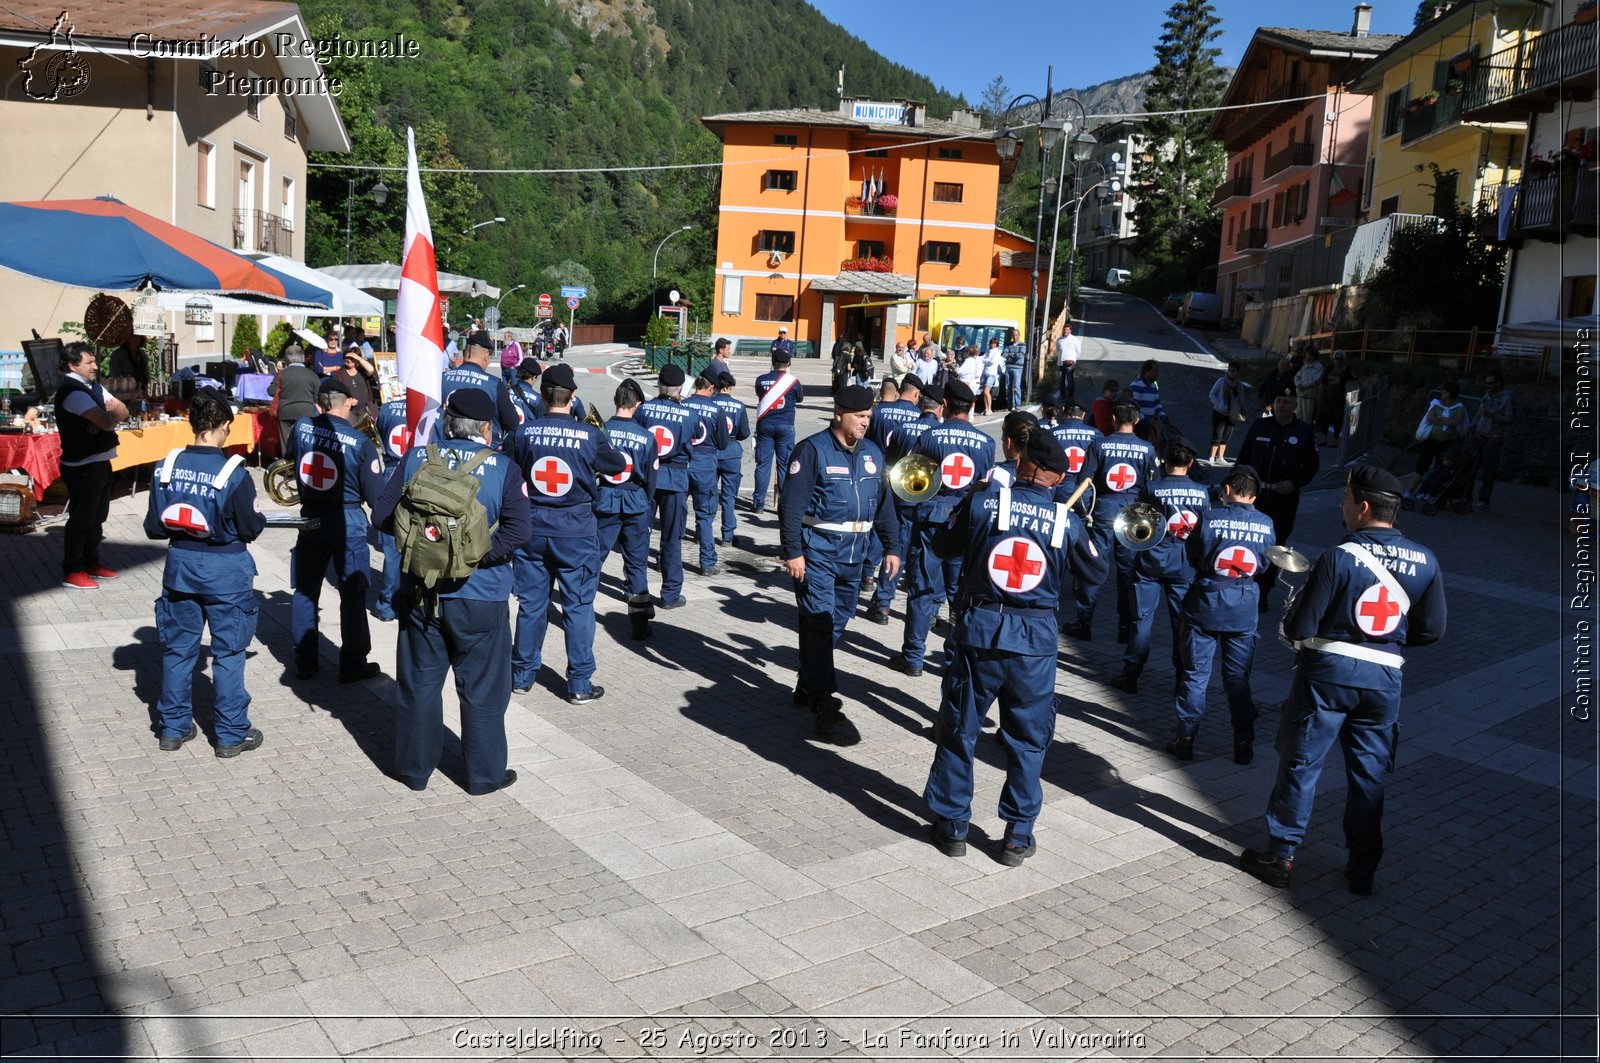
point(38, 456)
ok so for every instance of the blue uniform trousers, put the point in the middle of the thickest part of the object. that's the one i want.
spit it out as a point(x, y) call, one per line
point(574, 564)
point(474, 639)
point(1088, 596)
point(670, 507)
point(308, 564)
point(181, 618)
point(1238, 652)
point(887, 584)
point(730, 472)
point(772, 441)
point(1024, 685)
point(633, 533)
point(827, 601)
point(389, 586)
point(1365, 722)
point(703, 490)
point(1148, 595)
point(933, 579)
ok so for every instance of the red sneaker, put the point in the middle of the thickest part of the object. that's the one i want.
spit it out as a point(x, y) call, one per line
point(101, 572)
point(79, 581)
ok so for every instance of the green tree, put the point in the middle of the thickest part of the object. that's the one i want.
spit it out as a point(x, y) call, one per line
point(246, 335)
point(1174, 184)
point(1443, 277)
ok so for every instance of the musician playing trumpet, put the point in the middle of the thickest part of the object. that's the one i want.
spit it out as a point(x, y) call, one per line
point(1219, 613)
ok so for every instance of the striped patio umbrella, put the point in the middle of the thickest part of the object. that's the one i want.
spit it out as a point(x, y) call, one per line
point(107, 245)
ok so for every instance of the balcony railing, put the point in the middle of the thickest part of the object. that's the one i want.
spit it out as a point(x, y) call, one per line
point(1586, 201)
point(1507, 83)
point(1431, 118)
point(1293, 155)
point(1252, 240)
point(1237, 187)
point(855, 206)
point(1369, 245)
point(256, 230)
point(1553, 205)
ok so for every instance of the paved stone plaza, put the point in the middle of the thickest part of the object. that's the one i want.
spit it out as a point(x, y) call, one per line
point(681, 871)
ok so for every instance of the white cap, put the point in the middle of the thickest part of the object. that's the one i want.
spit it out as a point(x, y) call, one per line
point(783, 328)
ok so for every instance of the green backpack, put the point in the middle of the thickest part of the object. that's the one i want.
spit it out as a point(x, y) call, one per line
point(440, 527)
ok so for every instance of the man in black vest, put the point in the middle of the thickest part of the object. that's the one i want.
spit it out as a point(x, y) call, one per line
point(87, 415)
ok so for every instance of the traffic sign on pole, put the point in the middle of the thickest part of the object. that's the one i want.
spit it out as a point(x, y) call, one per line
point(573, 293)
point(542, 311)
point(491, 318)
point(544, 298)
point(572, 302)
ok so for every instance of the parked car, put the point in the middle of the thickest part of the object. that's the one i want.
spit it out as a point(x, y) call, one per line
point(1116, 278)
point(1170, 305)
point(1202, 309)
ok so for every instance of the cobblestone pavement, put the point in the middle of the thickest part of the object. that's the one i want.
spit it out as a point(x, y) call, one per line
point(681, 871)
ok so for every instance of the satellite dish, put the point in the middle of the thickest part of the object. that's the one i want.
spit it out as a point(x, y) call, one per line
point(673, 296)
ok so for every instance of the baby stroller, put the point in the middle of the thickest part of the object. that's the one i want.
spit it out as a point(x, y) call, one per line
point(1447, 483)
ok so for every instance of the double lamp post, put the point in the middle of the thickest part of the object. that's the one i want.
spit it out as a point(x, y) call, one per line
point(1050, 132)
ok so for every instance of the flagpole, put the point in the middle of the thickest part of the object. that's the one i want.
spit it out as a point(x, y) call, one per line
point(419, 324)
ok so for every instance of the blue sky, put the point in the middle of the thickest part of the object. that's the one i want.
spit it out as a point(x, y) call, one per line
point(963, 44)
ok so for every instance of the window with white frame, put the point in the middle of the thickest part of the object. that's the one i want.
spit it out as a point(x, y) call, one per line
point(733, 295)
point(205, 192)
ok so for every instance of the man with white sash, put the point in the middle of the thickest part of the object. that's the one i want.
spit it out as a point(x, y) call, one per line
point(777, 395)
point(1375, 592)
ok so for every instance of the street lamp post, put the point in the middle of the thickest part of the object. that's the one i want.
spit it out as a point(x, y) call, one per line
point(657, 257)
point(481, 224)
point(1083, 146)
point(380, 196)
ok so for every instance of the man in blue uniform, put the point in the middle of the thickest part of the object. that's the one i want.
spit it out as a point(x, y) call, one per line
point(1364, 599)
point(1283, 451)
point(783, 345)
point(1219, 613)
point(626, 500)
point(1017, 541)
point(777, 395)
point(524, 390)
point(473, 372)
point(396, 439)
point(559, 458)
point(900, 441)
point(706, 442)
point(463, 626)
point(888, 416)
point(204, 504)
point(963, 456)
point(339, 469)
point(1122, 466)
point(673, 424)
point(1164, 572)
point(836, 495)
point(730, 459)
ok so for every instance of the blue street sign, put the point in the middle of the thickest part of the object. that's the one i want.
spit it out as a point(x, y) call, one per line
point(574, 293)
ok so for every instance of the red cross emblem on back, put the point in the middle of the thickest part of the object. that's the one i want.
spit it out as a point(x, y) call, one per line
point(1237, 562)
point(182, 517)
point(1181, 523)
point(956, 471)
point(1121, 476)
point(399, 440)
point(1377, 614)
point(620, 478)
point(1075, 456)
point(1016, 565)
point(552, 476)
point(700, 433)
point(664, 438)
point(318, 471)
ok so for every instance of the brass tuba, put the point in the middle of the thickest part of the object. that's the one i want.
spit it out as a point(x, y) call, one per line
point(1140, 526)
point(281, 483)
point(914, 478)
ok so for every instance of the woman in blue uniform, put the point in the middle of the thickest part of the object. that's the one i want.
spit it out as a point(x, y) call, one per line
point(204, 504)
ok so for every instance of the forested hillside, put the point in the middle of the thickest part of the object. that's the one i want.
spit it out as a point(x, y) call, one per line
point(571, 85)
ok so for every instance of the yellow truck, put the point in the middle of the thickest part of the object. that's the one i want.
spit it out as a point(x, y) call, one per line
point(958, 321)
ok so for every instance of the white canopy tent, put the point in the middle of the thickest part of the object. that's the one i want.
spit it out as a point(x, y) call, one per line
point(348, 299)
point(383, 279)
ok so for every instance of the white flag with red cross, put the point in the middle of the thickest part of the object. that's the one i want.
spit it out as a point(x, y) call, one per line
point(419, 325)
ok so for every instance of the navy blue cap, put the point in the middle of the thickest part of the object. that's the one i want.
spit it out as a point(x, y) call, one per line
point(470, 403)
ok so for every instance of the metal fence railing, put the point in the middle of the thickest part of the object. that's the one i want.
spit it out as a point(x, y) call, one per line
point(1366, 412)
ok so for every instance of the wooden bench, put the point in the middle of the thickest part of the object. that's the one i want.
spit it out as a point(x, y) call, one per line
point(760, 348)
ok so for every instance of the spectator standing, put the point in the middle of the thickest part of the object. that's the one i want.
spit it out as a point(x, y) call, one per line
point(87, 415)
point(1068, 350)
point(1227, 410)
point(510, 357)
point(1445, 418)
point(718, 367)
point(861, 365)
point(969, 370)
point(360, 378)
point(839, 366)
point(296, 392)
point(1330, 404)
point(1146, 389)
point(783, 344)
point(1016, 362)
point(927, 364)
point(994, 364)
point(562, 339)
point(1308, 386)
point(1100, 410)
point(330, 358)
point(1488, 434)
point(900, 362)
point(1278, 382)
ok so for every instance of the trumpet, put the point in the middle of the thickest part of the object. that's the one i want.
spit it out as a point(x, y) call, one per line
point(914, 478)
point(1140, 526)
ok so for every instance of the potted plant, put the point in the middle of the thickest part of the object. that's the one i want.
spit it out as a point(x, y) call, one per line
point(888, 203)
point(852, 205)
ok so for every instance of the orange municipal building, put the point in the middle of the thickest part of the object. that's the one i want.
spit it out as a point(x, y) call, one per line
point(824, 211)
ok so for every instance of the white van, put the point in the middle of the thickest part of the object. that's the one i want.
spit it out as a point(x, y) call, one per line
point(1116, 278)
point(1201, 308)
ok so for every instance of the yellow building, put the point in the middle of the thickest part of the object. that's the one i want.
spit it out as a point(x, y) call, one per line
point(1418, 89)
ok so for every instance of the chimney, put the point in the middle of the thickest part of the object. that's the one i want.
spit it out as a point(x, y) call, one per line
point(1363, 23)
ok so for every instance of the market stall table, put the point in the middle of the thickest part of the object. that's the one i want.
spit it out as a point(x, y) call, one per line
point(40, 455)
